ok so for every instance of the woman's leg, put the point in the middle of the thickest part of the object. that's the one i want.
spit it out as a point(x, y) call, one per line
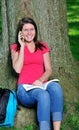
point(42, 99)
point(56, 96)
point(43, 108)
point(56, 125)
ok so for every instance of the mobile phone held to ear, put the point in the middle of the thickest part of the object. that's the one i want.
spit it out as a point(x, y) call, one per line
point(22, 38)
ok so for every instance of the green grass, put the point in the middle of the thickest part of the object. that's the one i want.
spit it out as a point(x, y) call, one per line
point(71, 120)
point(31, 127)
point(73, 24)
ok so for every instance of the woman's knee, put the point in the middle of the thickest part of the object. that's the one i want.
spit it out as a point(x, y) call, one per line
point(43, 98)
point(55, 87)
point(44, 95)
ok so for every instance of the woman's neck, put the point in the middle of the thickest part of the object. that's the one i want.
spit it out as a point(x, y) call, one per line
point(30, 46)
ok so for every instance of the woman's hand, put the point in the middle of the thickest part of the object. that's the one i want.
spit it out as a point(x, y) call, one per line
point(37, 83)
point(21, 39)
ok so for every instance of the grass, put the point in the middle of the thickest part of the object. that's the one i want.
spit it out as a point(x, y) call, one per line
point(73, 23)
point(71, 121)
point(31, 127)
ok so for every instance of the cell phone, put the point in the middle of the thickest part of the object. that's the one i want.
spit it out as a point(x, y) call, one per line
point(22, 38)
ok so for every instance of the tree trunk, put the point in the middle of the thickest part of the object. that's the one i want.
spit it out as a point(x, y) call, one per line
point(51, 19)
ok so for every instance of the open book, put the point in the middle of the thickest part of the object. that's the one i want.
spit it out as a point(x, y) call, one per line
point(28, 87)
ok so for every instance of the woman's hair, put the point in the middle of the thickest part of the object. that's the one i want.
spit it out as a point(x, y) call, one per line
point(21, 23)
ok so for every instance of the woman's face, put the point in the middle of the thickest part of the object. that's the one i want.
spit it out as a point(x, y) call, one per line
point(28, 32)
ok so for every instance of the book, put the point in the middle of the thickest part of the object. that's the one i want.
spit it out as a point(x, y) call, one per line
point(28, 87)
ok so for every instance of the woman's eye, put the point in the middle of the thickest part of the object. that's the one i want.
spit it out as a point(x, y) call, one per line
point(26, 30)
point(32, 29)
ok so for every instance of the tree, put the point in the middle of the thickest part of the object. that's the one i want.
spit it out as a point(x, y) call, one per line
point(50, 16)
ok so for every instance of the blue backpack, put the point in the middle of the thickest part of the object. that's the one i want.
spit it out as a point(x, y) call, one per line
point(10, 109)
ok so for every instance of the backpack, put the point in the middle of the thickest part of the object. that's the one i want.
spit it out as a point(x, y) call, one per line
point(8, 107)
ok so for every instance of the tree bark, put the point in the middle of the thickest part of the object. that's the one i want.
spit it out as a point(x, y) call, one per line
point(51, 19)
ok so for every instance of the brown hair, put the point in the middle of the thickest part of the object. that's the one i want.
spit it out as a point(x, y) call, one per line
point(21, 23)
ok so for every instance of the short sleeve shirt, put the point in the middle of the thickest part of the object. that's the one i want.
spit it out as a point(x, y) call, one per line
point(33, 66)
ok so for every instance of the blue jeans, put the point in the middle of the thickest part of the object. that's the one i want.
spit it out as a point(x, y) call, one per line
point(49, 101)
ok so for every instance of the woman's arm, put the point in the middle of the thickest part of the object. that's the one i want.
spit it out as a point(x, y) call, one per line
point(48, 70)
point(17, 59)
point(47, 66)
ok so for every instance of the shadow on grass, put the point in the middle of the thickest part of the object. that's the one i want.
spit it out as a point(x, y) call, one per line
point(74, 44)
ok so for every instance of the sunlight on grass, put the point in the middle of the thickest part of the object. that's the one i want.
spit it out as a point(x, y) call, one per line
point(74, 19)
point(73, 32)
point(73, 12)
point(74, 7)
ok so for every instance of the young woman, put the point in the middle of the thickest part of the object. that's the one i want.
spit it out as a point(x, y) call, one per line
point(30, 58)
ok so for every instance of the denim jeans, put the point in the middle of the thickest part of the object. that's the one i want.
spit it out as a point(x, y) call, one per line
point(49, 101)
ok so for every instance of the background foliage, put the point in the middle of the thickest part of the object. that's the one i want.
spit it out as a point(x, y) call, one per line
point(73, 23)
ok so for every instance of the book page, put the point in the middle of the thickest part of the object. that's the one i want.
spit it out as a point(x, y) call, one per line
point(28, 87)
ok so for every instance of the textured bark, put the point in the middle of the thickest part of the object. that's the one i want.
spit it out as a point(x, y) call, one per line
point(50, 16)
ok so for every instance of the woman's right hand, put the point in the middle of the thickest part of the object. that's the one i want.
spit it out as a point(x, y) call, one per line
point(20, 39)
